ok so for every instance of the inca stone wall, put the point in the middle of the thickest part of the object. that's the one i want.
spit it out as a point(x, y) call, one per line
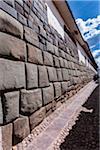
point(37, 67)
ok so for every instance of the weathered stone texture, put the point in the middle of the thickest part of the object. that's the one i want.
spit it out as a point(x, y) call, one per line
point(21, 129)
point(34, 55)
point(31, 100)
point(12, 47)
point(64, 86)
point(52, 73)
point(11, 106)
point(61, 61)
point(43, 76)
point(1, 112)
point(12, 74)
point(57, 88)
point(56, 61)
point(48, 59)
point(50, 48)
point(37, 117)
point(10, 25)
point(6, 134)
point(48, 94)
point(32, 75)
point(65, 74)
point(59, 74)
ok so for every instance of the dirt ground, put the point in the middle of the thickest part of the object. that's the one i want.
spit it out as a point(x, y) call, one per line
point(85, 133)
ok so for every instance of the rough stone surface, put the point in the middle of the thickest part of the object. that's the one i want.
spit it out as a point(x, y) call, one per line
point(31, 36)
point(12, 74)
point(43, 76)
point(65, 74)
point(32, 75)
point(37, 117)
point(64, 86)
point(6, 132)
point(56, 61)
point(34, 55)
point(10, 25)
point(48, 59)
point(61, 61)
point(57, 88)
point(48, 94)
point(52, 73)
point(50, 48)
point(12, 47)
point(21, 129)
point(31, 100)
point(11, 106)
point(1, 112)
point(59, 74)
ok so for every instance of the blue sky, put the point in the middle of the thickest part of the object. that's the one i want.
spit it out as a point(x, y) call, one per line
point(87, 16)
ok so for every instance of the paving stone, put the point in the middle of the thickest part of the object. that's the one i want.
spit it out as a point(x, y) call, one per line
point(12, 47)
point(32, 75)
point(34, 55)
point(10, 25)
point(11, 106)
point(48, 59)
point(52, 74)
point(8, 9)
point(50, 48)
point(57, 89)
point(64, 86)
point(1, 112)
point(31, 100)
point(43, 76)
point(59, 74)
point(65, 74)
point(21, 129)
point(12, 74)
point(48, 94)
point(31, 36)
point(56, 61)
point(37, 117)
point(6, 136)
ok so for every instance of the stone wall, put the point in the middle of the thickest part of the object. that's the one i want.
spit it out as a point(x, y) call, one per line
point(37, 67)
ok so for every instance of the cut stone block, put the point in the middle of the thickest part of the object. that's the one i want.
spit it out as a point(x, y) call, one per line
point(12, 74)
point(56, 50)
point(6, 137)
point(37, 117)
point(48, 59)
point(56, 61)
point(64, 86)
point(61, 60)
point(48, 94)
point(21, 129)
point(32, 75)
point(34, 55)
point(1, 112)
point(52, 73)
point(12, 47)
point(31, 100)
point(10, 25)
point(50, 48)
point(59, 74)
point(57, 88)
point(43, 76)
point(11, 106)
point(31, 36)
point(65, 74)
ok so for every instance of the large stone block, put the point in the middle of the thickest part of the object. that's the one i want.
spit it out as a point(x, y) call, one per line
point(56, 61)
point(61, 61)
point(43, 76)
point(50, 48)
point(48, 94)
point(11, 106)
point(52, 73)
point(37, 117)
point(12, 47)
point(48, 59)
point(32, 75)
point(31, 100)
point(10, 25)
point(56, 50)
point(21, 129)
point(6, 137)
point(1, 112)
point(65, 74)
point(12, 74)
point(59, 74)
point(57, 88)
point(34, 55)
point(31, 36)
point(64, 86)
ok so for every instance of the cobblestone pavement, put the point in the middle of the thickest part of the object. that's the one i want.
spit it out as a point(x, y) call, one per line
point(85, 133)
point(52, 131)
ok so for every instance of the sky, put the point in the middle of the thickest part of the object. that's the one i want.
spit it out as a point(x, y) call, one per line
point(87, 16)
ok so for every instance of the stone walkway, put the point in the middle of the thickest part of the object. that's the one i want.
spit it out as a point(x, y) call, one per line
point(52, 131)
